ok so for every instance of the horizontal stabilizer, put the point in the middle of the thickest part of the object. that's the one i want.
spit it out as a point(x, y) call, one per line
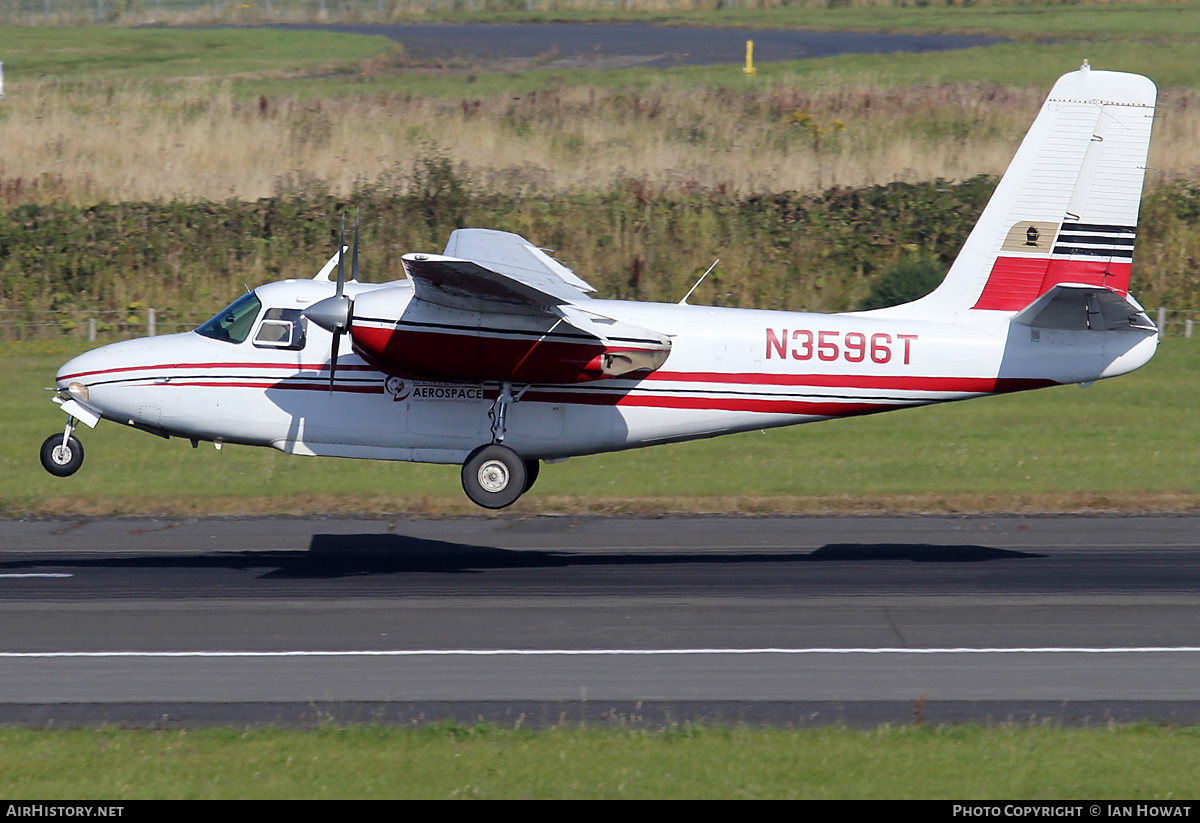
point(1074, 307)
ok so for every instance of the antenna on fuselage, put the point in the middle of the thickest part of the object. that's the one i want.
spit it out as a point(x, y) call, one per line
point(683, 302)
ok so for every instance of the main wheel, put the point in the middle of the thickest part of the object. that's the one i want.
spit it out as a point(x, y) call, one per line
point(494, 476)
point(532, 469)
point(60, 460)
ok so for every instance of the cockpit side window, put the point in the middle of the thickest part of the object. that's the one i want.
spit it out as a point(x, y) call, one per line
point(233, 323)
point(281, 329)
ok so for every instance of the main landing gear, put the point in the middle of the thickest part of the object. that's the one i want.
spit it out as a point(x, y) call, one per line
point(494, 475)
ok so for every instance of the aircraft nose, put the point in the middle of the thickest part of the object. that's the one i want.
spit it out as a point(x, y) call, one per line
point(81, 369)
point(128, 359)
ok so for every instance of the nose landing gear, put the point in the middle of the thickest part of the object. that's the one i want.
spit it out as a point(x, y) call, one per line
point(62, 454)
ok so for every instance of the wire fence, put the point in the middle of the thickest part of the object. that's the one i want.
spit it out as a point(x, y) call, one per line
point(93, 326)
point(108, 326)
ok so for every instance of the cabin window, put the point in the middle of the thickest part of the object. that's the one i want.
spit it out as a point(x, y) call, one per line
point(281, 329)
point(233, 323)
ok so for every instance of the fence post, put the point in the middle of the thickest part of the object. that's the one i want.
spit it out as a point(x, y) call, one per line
point(151, 326)
point(1162, 320)
point(91, 330)
point(1187, 328)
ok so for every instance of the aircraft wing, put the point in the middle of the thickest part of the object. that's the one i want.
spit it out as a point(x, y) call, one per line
point(456, 283)
point(464, 284)
point(494, 271)
point(512, 255)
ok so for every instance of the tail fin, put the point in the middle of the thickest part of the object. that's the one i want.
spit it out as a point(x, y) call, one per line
point(1065, 211)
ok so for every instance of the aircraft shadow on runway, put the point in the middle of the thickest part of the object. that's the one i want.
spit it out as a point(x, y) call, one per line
point(391, 553)
point(341, 555)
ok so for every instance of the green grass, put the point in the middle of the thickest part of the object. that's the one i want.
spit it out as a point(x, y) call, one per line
point(1031, 20)
point(1140, 762)
point(104, 55)
point(1131, 443)
point(1023, 64)
point(320, 64)
point(1023, 18)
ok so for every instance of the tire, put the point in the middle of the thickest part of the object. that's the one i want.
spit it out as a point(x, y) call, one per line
point(494, 476)
point(532, 469)
point(61, 461)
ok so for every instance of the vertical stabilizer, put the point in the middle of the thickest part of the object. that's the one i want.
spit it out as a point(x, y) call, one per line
point(1065, 211)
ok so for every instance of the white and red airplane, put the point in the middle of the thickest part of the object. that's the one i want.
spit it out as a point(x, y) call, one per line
point(493, 355)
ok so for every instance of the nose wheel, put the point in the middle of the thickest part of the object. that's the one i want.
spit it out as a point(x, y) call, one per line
point(62, 455)
point(494, 476)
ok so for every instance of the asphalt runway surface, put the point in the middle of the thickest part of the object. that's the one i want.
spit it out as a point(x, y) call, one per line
point(603, 46)
point(649, 620)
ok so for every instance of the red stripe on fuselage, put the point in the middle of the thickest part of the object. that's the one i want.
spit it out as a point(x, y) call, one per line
point(732, 404)
point(263, 365)
point(243, 384)
point(966, 385)
point(608, 394)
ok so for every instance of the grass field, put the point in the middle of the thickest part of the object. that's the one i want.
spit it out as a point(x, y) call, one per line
point(1085, 20)
point(89, 134)
point(980, 763)
point(1013, 18)
point(1127, 444)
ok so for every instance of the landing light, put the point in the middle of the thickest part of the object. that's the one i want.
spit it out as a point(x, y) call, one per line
point(78, 391)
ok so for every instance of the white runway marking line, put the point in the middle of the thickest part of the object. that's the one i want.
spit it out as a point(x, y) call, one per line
point(609, 652)
point(37, 574)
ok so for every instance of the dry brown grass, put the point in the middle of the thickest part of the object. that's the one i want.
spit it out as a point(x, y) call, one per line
point(196, 141)
point(385, 506)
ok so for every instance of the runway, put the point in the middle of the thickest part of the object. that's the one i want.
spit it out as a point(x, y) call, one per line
point(783, 620)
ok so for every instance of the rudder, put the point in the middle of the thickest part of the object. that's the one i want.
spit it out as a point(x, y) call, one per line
point(1066, 209)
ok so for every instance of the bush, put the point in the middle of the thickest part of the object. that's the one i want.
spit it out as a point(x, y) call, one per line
point(904, 283)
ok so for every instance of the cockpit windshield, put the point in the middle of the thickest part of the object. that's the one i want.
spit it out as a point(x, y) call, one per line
point(233, 324)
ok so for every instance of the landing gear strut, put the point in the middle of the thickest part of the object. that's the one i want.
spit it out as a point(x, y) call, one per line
point(62, 454)
point(494, 475)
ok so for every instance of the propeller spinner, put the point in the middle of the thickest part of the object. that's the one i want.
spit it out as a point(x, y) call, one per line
point(336, 314)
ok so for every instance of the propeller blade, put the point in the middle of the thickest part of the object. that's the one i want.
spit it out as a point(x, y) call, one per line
point(333, 356)
point(334, 313)
point(341, 278)
point(354, 261)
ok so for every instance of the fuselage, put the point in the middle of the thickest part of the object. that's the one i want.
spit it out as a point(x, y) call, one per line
point(728, 370)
